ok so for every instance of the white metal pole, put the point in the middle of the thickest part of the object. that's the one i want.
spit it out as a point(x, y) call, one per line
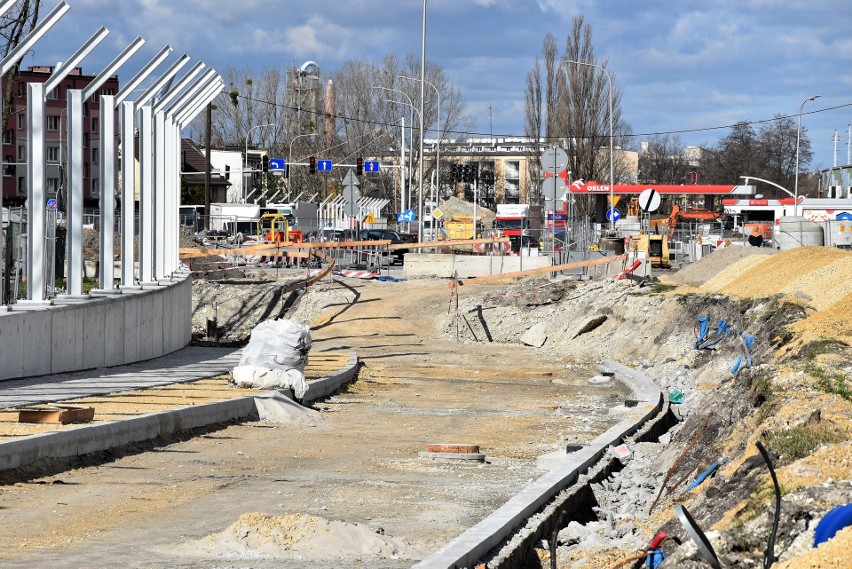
point(798, 135)
point(35, 192)
point(107, 197)
point(74, 277)
point(146, 196)
point(422, 100)
point(128, 193)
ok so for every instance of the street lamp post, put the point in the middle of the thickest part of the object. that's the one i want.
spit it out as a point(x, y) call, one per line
point(798, 135)
point(422, 100)
point(290, 156)
point(440, 136)
point(611, 138)
point(410, 142)
point(245, 160)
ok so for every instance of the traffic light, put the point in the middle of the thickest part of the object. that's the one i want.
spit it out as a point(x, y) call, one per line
point(474, 173)
point(464, 172)
point(359, 166)
point(312, 165)
point(454, 173)
point(265, 163)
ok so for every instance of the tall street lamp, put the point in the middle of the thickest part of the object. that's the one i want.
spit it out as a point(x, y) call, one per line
point(440, 136)
point(410, 139)
point(422, 100)
point(245, 160)
point(798, 135)
point(611, 162)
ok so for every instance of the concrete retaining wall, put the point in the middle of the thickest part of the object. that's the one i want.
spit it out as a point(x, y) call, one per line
point(72, 334)
point(466, 266)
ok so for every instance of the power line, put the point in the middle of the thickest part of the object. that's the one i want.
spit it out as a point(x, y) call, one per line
point(476, 134)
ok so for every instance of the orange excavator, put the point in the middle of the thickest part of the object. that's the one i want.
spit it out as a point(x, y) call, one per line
point(679, 214)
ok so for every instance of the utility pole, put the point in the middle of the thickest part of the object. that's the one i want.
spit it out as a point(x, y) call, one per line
point(207, 136)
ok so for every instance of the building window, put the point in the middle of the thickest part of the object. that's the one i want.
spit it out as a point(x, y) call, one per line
point(96, 155)
point(53, 154)
point(22, 153)
point(54, 94)
point(108, 91)
point(85, 140)
point(53, 122)
point(22, 121)
point(95, 121)
point(8, 166)
point(21, 90)
point(7, 136)
point(22, 186)
point(96, 187)
point(52, 185)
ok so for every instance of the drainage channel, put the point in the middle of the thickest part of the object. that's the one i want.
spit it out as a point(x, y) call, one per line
point(506, 538)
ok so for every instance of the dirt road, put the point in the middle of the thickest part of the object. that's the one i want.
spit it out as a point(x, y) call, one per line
point(341, 486)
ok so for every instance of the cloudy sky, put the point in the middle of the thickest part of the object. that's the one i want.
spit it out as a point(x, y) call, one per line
point(683, 67)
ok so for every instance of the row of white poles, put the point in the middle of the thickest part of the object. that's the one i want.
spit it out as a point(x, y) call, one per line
point(158, 116)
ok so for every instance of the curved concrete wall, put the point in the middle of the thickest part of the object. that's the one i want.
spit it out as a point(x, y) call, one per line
point(105, 330)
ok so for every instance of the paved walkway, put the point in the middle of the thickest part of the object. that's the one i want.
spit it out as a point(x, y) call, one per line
point(188, 364)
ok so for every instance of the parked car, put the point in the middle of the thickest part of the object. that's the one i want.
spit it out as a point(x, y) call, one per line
point(386, 235)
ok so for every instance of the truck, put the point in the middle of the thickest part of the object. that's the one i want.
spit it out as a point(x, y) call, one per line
point(233, 218)
point(519, 220)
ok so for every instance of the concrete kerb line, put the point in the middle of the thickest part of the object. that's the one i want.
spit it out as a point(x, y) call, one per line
point(471, 546)
point(94, 438)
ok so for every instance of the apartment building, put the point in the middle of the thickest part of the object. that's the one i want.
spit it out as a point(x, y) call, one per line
point(14, 148)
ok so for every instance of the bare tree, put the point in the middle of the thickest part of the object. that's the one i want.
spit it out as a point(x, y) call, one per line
point(250, 99)
point(532, 128)
point(15, 25)
point(576, 108)
point(662, 161)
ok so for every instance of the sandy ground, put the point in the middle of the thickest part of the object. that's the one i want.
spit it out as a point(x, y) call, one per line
point(351, 479)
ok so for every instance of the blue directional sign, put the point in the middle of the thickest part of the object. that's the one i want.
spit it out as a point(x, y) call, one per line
point(277, 163)
point(324, 165)
point(406, 216)
point(615, 215)
point(51, 204)
point(371, 166)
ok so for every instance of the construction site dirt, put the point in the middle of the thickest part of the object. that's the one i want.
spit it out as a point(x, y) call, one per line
point(511, 368)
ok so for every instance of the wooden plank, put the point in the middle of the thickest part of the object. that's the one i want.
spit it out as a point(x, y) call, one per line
point(543, 270)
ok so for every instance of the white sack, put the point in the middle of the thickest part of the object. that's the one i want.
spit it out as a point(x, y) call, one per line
point(275, 356)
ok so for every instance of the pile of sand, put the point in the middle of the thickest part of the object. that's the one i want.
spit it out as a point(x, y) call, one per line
point(831, 554)
point(818, 277)
point(260, 534)
point(696, 274)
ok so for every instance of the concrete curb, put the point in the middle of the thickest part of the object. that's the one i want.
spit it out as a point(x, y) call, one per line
point(93, 438)
point(470, 547)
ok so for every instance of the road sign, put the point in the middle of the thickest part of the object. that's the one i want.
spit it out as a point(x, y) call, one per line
point(369, 218)
point(51, 204)
point(649, 200)
point(351, 194)
point(350, 179)
point(613, 200)
point(615, 215)
point(371, 166)
point(276, 163)
point(406, 216)
point(554, 160)
point(351, 209)
point(324, 165)
point(552, 187)
point(437, 213)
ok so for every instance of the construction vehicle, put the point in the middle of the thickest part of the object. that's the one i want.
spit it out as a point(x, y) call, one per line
point(694, 214)
point(655, 246)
